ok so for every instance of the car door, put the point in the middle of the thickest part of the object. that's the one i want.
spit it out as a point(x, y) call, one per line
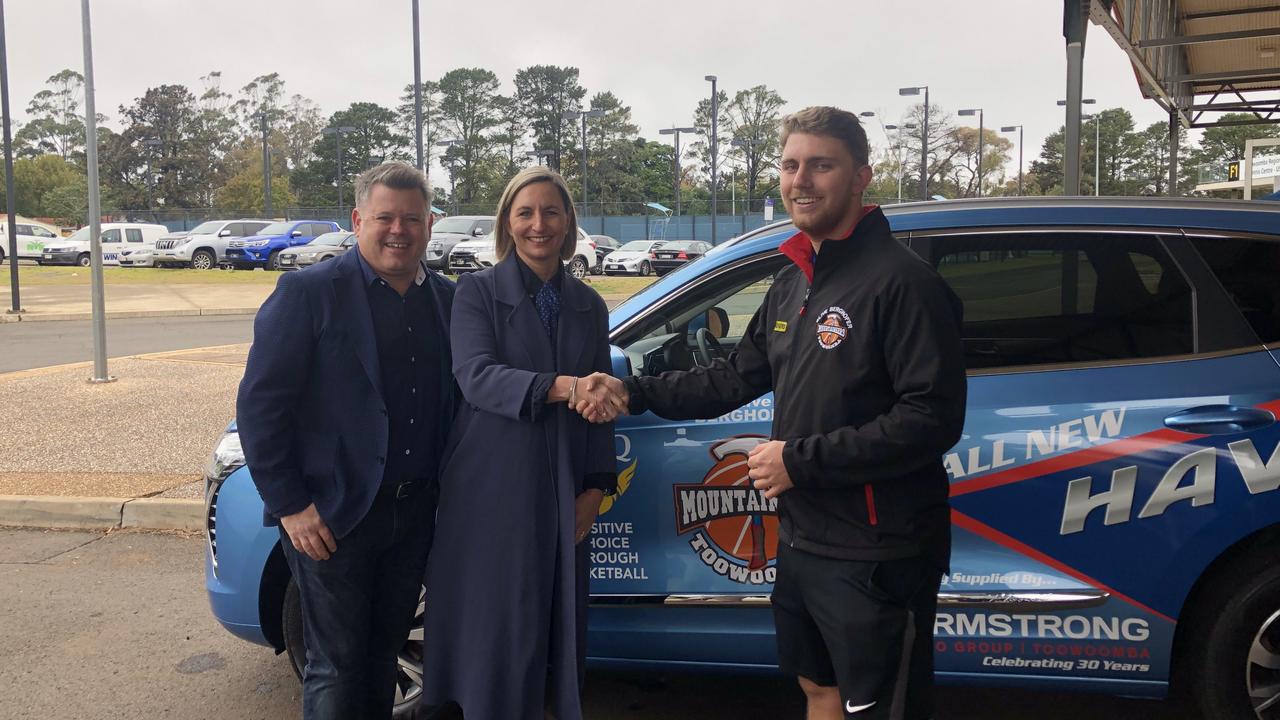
point(685, 528)
point(1087, 488)
point(112, 242)
point(31, 240)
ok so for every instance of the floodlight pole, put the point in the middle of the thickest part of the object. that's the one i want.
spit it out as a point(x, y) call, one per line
point(15, 299)
point(95, 209)
point(417, 88)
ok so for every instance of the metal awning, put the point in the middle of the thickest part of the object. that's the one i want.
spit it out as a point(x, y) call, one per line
point(1200, 58)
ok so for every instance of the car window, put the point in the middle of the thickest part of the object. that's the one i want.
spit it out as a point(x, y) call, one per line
point(666, 338)
point(133, 235)
point(41, 232)
point(1048, 299)
point(485, 226)
point(1248, 270)
point(236, 229)
point(110, 236)
point(252, 228)
point(23, 229)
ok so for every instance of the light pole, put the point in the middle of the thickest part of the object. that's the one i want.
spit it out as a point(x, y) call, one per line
point(897, 144)
point(417, 89)
point(715, 151)
point(978, 112)
point(266, 167)
point(151, 176)
point(337, 132)
point(97, 293)
point(1011, 128)
point(924, 138)
point(583, 114)
point(675, 166)
point(15, 299)
point(1097, 151)
point(453, 168)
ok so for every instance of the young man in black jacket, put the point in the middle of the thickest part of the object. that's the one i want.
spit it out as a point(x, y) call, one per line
point(860, 341)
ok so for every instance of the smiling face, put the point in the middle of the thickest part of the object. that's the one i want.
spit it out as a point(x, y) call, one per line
point(392, 228)
point(538, 222)
point(822, 185)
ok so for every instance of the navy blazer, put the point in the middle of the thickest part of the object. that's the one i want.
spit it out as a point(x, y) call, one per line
point(310, 411)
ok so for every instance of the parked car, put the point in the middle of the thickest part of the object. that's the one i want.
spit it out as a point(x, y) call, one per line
point(263, 249)
point(325, 247)
point(604, 246)
point(632, 258)
point(206, 245)
point(115, 238)
point(473, 255)
point(676, 253)
point(146, 256)
point(447, 232)
point(1115, 494)
point(32, 237)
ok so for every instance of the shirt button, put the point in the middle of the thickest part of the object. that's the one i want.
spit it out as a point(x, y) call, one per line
point(412, 359)
point(410, 421)
point(414, 390)
point(410, 328)
point(406, 451)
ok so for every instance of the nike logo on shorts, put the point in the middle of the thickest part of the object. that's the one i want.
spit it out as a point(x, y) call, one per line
point(850, 708)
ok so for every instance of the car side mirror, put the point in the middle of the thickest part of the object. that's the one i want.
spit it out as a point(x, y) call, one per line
point(620, 363)
point(224, 233)
point(296, 233)
point(477, 232)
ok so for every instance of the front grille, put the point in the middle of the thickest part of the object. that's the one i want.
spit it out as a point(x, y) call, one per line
point(236, 243)
point(166, 244)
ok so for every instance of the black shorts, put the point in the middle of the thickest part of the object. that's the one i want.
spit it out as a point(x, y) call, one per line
point(866, 627)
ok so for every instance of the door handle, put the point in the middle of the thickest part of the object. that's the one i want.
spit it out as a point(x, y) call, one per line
point(1219, 420)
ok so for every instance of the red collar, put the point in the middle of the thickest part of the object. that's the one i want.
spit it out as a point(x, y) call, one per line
point(799, 248)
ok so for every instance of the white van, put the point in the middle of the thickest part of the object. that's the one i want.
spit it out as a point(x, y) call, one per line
point(32, 237)
point(115, 237)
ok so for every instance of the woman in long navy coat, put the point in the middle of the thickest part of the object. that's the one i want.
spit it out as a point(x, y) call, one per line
point(523, 474)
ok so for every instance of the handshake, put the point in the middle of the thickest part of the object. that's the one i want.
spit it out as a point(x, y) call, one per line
point(598, 397)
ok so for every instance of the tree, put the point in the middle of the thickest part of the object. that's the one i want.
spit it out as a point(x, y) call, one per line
point(186, 159)
point(56, 125)
point(243, 193)
point(700, 147)
point(755, 123)
point(300, 132)
point(430, 119)
point(35, 177)
point(1225, 144)
point(942, 150)
point(372, 141)
point(544, 93)
point(963, 177)
point(1046, 173)
point(1149, 173)
point(510, 136)
point(470, 113)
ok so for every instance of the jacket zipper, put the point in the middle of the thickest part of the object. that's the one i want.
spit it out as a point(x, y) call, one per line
point(871, 504)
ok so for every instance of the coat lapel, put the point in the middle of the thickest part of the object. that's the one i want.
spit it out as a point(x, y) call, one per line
point(353, 309)
point(520, 317)
point(575, 327)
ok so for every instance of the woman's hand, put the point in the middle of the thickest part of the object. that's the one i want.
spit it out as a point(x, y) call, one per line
point(586, 508)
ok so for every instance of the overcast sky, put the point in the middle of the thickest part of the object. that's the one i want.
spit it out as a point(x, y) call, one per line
point(1005, 56)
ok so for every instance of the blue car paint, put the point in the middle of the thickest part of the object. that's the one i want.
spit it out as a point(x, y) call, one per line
point(261, 255)
point(1009, 483)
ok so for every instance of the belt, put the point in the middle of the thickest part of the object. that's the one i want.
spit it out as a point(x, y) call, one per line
point(401, 490)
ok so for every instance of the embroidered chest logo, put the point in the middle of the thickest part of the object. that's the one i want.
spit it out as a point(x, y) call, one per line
point(833, 327)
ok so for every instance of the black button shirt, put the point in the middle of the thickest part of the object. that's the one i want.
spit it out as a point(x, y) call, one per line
point(408, 336)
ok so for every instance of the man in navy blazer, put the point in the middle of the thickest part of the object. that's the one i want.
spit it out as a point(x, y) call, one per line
point(345, 404)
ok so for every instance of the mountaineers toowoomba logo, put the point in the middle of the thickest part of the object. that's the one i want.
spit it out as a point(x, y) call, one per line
point(735, 527)
point(833, 327)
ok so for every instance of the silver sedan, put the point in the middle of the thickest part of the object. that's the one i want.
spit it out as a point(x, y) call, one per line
point(324, 247)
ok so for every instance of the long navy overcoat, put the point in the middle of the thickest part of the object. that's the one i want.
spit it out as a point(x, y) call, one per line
point(506, 584)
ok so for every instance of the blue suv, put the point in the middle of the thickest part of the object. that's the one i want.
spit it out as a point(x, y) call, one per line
point(263, 249)
point(1116, 492)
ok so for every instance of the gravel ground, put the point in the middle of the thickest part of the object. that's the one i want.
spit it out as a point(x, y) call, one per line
point(150, 431)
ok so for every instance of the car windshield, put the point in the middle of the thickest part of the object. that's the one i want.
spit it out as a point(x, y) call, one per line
point(280, 228)
point(333, 238)
point(638, 246)
point(452, 225)
point(81, 235)
point(208, 228)
point(681, 245)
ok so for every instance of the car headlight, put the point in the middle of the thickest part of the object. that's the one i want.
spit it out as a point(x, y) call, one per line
point(228, 457)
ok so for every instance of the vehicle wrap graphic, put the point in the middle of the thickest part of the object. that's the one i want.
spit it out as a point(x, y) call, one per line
point(733, 526)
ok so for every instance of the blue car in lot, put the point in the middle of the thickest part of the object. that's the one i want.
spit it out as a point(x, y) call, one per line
point(1115, 494)
point(263, 250)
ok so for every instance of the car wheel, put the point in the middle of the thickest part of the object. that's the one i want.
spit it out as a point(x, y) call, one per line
point(646, 269)
point(578, 267)
point(408, 705)
point(2, 255)
point(273, 260)
point(83, 260)
point(38, 262)
point(1232, 651)
point(203, 260)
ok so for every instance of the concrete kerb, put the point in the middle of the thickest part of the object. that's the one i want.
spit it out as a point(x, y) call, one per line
point(123, 314)
point(96, 513)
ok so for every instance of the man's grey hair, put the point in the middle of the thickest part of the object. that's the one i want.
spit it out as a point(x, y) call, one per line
point(395, 175)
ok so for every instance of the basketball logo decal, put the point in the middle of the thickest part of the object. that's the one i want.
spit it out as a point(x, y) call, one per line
point(833, 327)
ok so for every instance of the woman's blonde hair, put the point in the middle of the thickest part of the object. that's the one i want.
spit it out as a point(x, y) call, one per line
point(503, 242)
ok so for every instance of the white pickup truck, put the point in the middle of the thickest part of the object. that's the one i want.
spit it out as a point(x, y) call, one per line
point(115, 237)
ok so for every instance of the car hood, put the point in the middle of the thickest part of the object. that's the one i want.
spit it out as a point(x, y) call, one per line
point(452, 236)
point(248, 238)
point(474, 245)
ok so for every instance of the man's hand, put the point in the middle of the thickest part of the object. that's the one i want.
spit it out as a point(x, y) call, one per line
point(601, 398)
point(766, 469)
point(585, 509)
point(309, 533)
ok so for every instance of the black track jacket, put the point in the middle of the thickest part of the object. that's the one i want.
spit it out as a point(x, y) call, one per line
point(861, 346)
